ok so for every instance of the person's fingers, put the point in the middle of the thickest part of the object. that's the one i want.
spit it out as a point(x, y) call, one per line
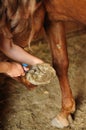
point(25, 68)
point(22, 74)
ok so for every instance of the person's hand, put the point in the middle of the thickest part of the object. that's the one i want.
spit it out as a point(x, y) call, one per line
point(15, 69)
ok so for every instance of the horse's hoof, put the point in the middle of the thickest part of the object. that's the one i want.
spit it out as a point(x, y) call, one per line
point(40, 74)
point(60, 122)
point(70, 119)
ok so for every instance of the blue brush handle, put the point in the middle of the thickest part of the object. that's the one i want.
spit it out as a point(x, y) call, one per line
point(25, 65)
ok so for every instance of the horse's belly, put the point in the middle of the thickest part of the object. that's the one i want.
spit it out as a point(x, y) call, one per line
point(68, 10)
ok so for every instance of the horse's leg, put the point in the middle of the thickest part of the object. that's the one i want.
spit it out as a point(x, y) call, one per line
point(57, 40)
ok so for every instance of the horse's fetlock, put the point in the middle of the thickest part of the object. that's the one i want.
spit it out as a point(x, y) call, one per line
point(69, 106)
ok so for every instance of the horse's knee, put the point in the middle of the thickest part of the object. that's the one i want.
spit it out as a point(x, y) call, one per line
point(61, 66)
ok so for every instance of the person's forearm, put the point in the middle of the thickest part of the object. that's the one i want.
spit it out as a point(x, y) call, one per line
point(18, 54)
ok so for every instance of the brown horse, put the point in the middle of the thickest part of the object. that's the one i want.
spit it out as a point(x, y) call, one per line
point(21, 21)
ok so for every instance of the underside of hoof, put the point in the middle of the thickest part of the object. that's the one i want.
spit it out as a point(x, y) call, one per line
point(60, 122)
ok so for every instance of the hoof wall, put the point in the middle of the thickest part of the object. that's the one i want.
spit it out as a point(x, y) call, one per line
point(59, 122)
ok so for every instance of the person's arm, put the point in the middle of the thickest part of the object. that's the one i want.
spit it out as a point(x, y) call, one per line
point(18, 54)
point(12, 69)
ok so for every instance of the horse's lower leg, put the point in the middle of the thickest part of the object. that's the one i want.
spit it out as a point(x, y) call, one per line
point(57, 40)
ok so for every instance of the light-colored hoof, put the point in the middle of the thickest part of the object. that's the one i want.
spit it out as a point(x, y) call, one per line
point(70, 119)
point(40, 74)
point(60, 122)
